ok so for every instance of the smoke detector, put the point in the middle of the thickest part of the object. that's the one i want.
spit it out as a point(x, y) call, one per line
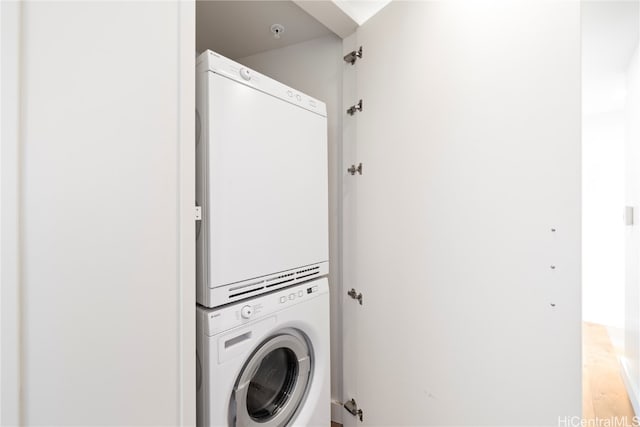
point(277, 30)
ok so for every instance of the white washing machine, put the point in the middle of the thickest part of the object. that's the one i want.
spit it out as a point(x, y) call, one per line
point(265, 361)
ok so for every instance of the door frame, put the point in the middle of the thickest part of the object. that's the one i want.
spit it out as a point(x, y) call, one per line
point(186, 255)
point(10, 294)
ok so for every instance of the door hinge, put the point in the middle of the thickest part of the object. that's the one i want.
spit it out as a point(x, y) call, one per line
point(355, 295)
point(353, 56)
point(198, 213)
point(353, 169)
point(352, 110)
point(352, 407)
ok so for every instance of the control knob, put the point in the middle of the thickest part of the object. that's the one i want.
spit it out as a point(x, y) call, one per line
point(246, 312)
point(245, 74)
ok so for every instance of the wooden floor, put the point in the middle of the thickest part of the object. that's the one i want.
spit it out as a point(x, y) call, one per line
point(604, 396)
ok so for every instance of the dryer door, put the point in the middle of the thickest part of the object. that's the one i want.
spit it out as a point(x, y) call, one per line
point(265, 185)
point(273, 382)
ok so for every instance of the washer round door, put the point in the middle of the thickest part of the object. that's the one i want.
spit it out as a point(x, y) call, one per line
point(274, 381)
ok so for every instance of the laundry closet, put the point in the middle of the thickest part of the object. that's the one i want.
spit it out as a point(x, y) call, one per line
point(427, 197)
point(453, 165)
point(267, 155)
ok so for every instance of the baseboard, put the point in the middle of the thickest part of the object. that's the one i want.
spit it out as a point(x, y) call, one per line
point(336, 412)
point(632, 388)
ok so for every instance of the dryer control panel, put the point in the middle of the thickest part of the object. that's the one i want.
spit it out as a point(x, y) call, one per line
point(226, 317)
point(218, 64)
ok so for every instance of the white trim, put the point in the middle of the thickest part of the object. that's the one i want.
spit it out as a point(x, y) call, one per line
point(10, 366)
point(347, 235)
point(186, 222)
point(336, 412)
point(330, 15)
point(630, 385)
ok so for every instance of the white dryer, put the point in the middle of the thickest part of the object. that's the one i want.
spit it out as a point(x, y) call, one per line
point(265, 361)
point(261, 181)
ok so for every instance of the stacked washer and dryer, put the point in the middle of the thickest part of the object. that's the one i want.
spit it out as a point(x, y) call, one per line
point(262, 250)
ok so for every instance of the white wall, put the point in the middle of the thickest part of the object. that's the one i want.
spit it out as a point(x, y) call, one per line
point(106, 233)
point(315, 68)
point(603, 280)
point(632, 234)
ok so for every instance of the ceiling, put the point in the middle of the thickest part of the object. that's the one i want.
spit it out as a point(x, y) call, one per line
point(237, 29)
point(361, 10)
point(610, 34)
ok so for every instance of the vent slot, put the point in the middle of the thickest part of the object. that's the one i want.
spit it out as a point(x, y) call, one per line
point(307, 270)
point(235, 288)
point(307, 275)
point(245, 292)
point(280, 283)
point(280, 277)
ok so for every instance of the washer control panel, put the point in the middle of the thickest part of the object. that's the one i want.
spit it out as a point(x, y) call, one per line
point(226, 317)
point(300, 293)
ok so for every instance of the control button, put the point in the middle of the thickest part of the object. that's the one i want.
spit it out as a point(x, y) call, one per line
point(292, 296)
point(246, 311)
point(289, 93)
point(300, 293)
point(283, 299)
point(298, 97)
point(245, 73)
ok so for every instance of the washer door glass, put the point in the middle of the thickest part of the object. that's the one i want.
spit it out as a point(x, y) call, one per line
point(274, 381)
point(272, 384)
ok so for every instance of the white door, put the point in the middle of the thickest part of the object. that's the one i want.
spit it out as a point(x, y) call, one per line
point(463, 231)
